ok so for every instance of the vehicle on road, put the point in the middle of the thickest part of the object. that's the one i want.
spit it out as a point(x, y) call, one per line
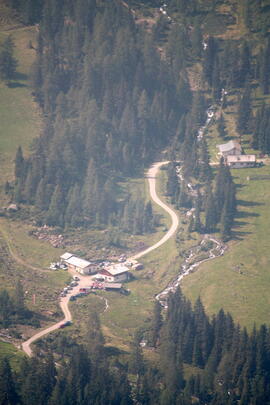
point(65, 324)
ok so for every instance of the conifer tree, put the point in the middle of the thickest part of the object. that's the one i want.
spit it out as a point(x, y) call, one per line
point(136, 363)
point(225, 222)
point(18, 299)
point(264, 71)
point(55, 212)
point(156, 324)
point(197, 217)
point(209, 59)
point(244, 111)
point(221, 127)
point(19, 163)
point(8, 63)
point(8, 394)
point(210, 211)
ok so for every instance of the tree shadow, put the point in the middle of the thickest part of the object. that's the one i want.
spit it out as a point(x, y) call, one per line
point(240, 217)
point(20, 76)
point(244, 214)
point(245, 203)
point(14, 85)
point(18, 80)
point(239, 223)
point(113, 351)
point(240, 185)
point(239, 235)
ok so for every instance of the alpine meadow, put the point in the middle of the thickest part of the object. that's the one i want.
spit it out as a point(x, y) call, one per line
point(134, 215)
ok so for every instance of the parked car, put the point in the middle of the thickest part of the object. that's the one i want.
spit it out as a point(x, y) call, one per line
point(65, 324)
point(73, 283)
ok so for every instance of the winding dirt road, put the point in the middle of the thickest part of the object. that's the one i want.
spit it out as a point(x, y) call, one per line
point(85, 280)
point(151, 175)
point(64, 306)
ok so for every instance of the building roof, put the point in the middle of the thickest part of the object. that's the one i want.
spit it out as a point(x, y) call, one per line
point(76, 261)
point(103, 273)
point(226, 147)
point(241, 158)
point(66, 256)
point(116, 269)
point(113, 286)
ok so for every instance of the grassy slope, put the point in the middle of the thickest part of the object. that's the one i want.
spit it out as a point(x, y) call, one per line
point(218, 282)
point(11, 353)
point(240, 280)
point(125, 311)
point(20, 120)
point(20, 124)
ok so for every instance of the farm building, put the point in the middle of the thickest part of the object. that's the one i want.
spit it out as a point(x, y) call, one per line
point(134, 264)
point(230, 148)
point(112, 286)
point(65, 257)
point(114, 273)
point(241, 161)
point(80, 265)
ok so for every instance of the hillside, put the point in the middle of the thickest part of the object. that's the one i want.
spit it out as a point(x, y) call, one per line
point(209, 56)
point(100, 91)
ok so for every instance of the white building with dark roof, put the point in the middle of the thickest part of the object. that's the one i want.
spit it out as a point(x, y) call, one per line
point(115, 273)
point(80, 265)
point(241, 161)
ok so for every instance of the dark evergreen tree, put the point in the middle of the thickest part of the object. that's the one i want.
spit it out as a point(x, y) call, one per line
point(221, 126)
point(156, 324)
point(8, 63)
point(8, 393)
point(19, 164)
point(209, 59)
point(264, 70)
point(244, 111)
point(210, 211)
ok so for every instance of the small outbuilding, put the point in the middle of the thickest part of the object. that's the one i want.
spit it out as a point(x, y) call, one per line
point(112, 286)
point(232, 147)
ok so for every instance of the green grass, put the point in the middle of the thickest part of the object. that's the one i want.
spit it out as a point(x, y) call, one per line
point(128, 313)
point(20, 125)
point(239, 281)
point(33, 251)
point(20, 118)
point(11, 353)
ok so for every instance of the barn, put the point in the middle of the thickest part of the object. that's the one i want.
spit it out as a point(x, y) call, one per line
point(230, 148)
